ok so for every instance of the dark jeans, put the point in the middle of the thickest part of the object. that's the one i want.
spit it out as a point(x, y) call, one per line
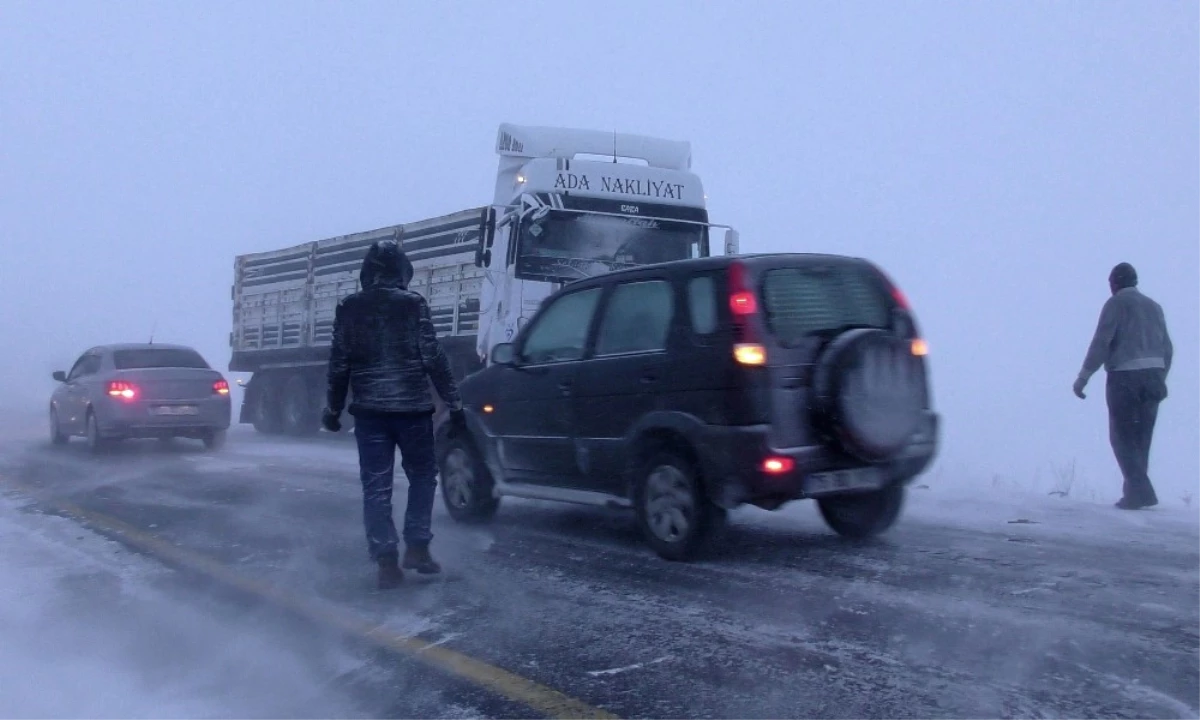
point(378, 436)
point(1133, 398)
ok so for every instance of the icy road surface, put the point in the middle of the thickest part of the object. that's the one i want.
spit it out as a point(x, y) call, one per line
point(1077, 610)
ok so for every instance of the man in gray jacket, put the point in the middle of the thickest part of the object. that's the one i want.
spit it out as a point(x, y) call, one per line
point(1133, 345)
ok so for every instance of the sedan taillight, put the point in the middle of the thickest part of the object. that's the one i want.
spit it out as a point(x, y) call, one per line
point(122, 390)
point(221, 387)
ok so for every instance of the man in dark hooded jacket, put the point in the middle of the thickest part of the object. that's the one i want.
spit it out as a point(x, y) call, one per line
point(386, 350)
point(1131, 343)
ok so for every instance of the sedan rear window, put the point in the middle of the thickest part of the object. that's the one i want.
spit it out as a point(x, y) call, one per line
point(822, 300)
point(157, 358)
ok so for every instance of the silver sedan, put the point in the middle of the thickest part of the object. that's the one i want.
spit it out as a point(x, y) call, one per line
point(115, 392)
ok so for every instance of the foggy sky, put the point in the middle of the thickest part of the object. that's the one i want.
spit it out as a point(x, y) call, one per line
point(995, 158)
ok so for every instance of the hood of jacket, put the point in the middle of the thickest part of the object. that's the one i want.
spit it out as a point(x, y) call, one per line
point(386, 265)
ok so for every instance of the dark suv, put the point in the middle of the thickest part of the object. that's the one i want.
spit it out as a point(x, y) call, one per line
point(687, 388)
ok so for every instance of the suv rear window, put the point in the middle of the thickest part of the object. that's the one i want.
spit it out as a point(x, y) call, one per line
point(823, 300)
point(157, 358)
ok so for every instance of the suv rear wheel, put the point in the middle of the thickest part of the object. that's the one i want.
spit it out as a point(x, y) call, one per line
point(466, 483)
point(673, 511)
point(863, 515)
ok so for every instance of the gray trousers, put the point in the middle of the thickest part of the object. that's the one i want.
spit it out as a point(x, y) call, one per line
point(1133, 397)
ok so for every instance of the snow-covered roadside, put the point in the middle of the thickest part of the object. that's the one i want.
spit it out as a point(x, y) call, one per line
point(1007, 509)
point(90, 630)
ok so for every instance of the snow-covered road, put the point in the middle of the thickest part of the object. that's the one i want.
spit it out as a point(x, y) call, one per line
point(91, 629)
point(976, 605)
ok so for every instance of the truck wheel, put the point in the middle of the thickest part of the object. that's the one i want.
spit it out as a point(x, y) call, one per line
point(863, 515)
point(266, 405)
point(466, 483)
point(299, 413)
point(675, 514)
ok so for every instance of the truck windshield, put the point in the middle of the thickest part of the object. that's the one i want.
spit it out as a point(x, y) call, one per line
point(565, 246)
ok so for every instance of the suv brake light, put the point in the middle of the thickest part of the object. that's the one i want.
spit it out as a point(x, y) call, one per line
point(121, 389)
point(778, 465)
point(741, 298)
point(221, 387)
point(743, 303)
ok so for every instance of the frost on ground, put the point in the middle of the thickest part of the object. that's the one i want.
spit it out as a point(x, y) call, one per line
point(90, 630)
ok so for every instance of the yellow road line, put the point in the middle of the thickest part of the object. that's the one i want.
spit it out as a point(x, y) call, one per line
point(529, 693)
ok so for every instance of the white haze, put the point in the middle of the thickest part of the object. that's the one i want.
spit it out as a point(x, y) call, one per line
point(996, 158)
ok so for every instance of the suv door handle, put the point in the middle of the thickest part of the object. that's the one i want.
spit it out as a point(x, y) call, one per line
point(565, 387)
point(649, 379)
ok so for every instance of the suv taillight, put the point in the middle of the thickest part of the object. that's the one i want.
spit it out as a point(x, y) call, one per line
point(897, 294)
point(122, 390)
point(743, 303)
point(920, 348)
point(221, 387)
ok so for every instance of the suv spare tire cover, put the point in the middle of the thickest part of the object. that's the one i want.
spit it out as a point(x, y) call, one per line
point(871, 387)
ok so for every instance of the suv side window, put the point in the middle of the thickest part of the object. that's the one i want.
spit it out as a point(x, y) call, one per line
point(702, 304)
point(637, 319)
point(560, 333)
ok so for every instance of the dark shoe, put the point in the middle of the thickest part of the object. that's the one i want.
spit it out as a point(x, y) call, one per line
point(417, 557)
point(1127, 504)
point(390, 574)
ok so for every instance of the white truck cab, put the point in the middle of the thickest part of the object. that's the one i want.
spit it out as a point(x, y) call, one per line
point(568, 204)
point(574, 203)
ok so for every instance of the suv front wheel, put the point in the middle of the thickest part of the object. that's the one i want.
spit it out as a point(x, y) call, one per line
point(466, 483)
point(863, 515)
point(673, 511)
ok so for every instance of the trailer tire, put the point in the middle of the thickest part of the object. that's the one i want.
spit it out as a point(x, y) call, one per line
point(300, 415)
point(266, 405)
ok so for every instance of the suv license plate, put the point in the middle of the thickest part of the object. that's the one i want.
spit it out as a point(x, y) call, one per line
point(175, 410)
point(838, 480)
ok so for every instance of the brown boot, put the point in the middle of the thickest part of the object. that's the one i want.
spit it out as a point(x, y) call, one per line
point(417, 557)
point(390, 574)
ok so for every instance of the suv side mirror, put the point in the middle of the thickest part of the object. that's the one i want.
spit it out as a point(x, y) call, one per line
point(503, 354)
point(60, 376)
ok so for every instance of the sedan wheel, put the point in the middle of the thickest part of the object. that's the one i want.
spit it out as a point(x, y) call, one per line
point(214, 440)
point(96, 442)
point(56, 434)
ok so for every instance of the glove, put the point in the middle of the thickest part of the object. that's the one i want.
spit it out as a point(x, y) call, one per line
point(1080, 384)
point(458, 421)
point(331, 420)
